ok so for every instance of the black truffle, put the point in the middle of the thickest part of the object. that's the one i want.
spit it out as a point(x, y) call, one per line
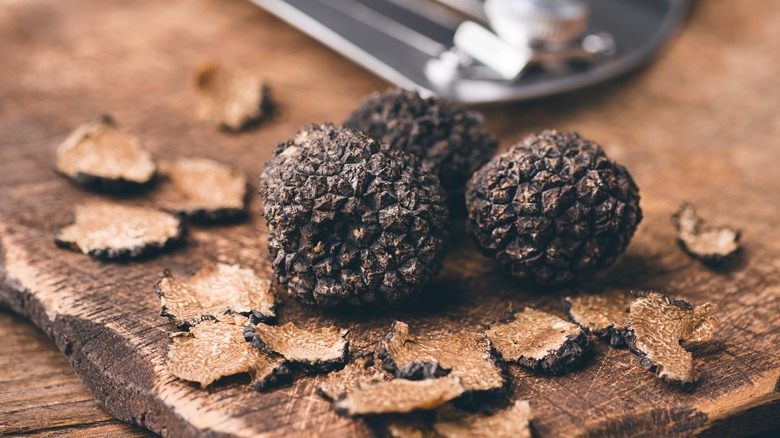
point(553, 208)
point(448, 137)
point(351, 220)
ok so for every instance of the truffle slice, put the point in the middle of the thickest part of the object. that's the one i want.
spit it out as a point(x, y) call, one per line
point(362, 369)
point(708, 244)
point(102, 156)
point(229, 99)
point(112, 231)
point(540, 341)
point(212, 350)
point(216, 290)
point(398, 396)
point(512, 422)
point(320, 350)
point(467, 355)
point(658, 327)
point(604, 314)
point(202, 190)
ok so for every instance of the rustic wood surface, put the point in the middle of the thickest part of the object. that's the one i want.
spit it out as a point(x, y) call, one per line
point(701, 123)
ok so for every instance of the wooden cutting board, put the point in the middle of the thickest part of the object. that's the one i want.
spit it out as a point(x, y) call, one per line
point(700, 124)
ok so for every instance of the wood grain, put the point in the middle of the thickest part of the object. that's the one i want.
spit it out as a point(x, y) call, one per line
point(40, 395)
point(699, 124)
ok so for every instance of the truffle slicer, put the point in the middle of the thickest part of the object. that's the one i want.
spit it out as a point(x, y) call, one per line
point(471, 51)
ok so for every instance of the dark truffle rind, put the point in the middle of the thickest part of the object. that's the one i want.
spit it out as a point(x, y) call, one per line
point(564, 359)
point(608, 328)
point(448, 137)
point(351, 220)
point(420, 370)
point(553, 208)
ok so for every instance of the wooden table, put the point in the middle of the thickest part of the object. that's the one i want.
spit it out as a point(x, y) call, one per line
point(700, 123)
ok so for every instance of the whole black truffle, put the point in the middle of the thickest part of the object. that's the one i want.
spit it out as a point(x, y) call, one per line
point(553, 208)
point(351, 220)
point(447, 137)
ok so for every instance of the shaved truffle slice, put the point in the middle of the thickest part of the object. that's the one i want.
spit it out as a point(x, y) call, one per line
point(711, 245)
point(228, 98)
point(102, 156)
point(512, 422)
point(216, 290)
point(398, 396)
point(467, 355)
point(203, 190)
point(320, 350)
point(540, 341)
point(212, 350)
point(659, 325)
point(604, 314)
point(407, 426)
point(362, 369)
point(113, 231)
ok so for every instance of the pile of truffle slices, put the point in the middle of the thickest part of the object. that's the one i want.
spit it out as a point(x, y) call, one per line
point(359, 215)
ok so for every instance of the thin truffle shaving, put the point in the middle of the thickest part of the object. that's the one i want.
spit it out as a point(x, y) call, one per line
point(659, 327)
point(467, 355)
point(362, 369)
point(604, 314)
point(100, 153)
point(512, 422)
point(202, 189)
point(216, 290)
point(398, 396)
point(229, 98)
point(108, 231)
point(212, 350)
point(709, 244)
point(321, 350)
point(540, 341)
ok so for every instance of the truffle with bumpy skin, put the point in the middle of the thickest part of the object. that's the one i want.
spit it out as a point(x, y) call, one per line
point(553, 208)
point(351, 220)
point(448, 137)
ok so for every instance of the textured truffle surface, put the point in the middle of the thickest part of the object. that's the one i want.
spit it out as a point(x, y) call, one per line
point(215, 291)
point(103, 156)
point(320, 350)
point(553, 208)
point(463, 355)
point(398, 396)
point(229, 98)
point(604, 314)
point(660, 327)
point(512, 422)
point(361, 370)
point(212, 350)
point(106, 231)
point(712, 245)
point(202, 190)
point(448, 137)
point(540, 341)
point(351, 220)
